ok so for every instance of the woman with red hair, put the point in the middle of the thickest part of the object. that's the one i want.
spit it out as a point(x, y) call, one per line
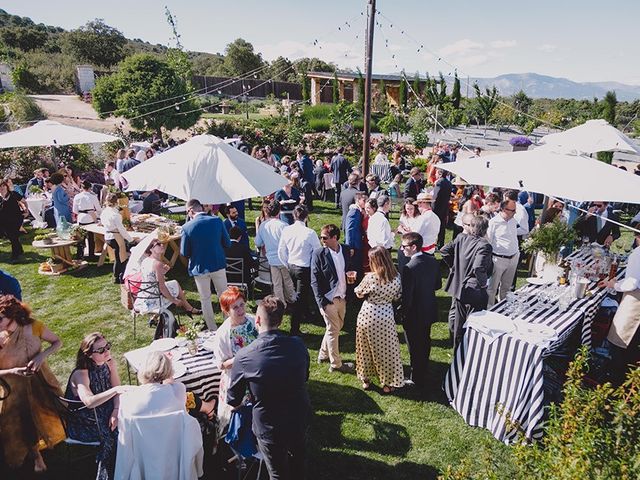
point(237, 331)
point(29, 420)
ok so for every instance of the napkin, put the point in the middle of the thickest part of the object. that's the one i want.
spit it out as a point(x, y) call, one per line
point(491, 325)
point(535, 333)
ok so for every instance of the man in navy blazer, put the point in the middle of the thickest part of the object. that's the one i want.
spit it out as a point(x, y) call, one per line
point(204, 239)
point(233, 220)
point(353, 236)
point(341, 168)
point(329, 265)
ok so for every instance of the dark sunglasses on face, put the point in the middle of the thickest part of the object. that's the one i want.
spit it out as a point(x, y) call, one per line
point(406, 246)
point(101, 350)
point(324, 237)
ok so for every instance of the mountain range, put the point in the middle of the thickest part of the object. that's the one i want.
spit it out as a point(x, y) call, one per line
point(543, 86)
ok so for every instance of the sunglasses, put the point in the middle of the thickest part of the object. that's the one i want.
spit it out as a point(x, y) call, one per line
point(324, 237)
point(510, 210)
point(101, 350)
point(407, 246)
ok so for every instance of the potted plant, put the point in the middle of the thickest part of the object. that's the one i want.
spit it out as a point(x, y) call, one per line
point(77, 233)
point(189, 331)
point(520, 143)
point(547, 241)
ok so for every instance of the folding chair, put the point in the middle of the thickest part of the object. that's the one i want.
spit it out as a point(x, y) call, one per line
point(264, 273)
point(72, 407)
point(162, 317)
point(235, 272)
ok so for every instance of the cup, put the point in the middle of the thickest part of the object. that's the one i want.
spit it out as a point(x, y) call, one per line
point(580, 288)
point(351, 277)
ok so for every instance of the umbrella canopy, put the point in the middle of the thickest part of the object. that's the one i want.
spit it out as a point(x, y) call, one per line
point(49, 133)
point(562, 175)
point(208, 169)
point(591, 137)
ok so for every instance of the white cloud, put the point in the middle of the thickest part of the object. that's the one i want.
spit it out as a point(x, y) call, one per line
point(461, 47)
point(503, 43)
point(547, 48)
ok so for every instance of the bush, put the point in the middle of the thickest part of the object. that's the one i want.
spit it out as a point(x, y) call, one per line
point(317, 111)
point(23, 108)
point(319, 124)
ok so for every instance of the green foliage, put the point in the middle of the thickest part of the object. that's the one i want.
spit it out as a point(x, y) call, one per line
point(343, 132)
point(24, 79)
point(522, 103)
point(240, 59)
point(139, 92)
point(402, 94)
point(455, 93)
point(306, 87)
point(360, 87)
point(593, 433)
point(419, 121)
point(24, 38)
point(319, 124)
point(281, 69)
point(97, 43)
point(322, 110)
point(379, 101)
point(486, 102)
point(335, 88)
point(416, 84)
point(609, 103)
point(394, 121)
point(435, 91)
point(23, 108)
point(177, 58)
point(40, 71)
point(549, 238)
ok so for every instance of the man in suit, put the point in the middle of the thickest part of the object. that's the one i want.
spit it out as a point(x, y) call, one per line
point(204, 239)
point(348, 195)
point(441, 198)
point(420, 280)
point(341, 168)
point(329, 265)
point(275, 369)
point(353, 231)
point(233, 220)
point(306, 166)
point(595, 225)
point(238, 249)
point(470, 262)
point(414, 185)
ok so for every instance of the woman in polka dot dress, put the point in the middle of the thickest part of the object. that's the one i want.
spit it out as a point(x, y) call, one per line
point(377, 345)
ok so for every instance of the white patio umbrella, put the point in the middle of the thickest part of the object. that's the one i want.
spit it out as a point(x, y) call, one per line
point(205, 168)
point(591, 137)
point(48, 133)
point(561, 175)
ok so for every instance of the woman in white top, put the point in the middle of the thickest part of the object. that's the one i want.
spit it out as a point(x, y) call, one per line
point(115, 235)
point(153, 270)
point(409, 222)
point(237, 331)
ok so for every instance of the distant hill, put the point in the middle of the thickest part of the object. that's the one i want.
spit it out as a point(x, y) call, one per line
point(543, 86)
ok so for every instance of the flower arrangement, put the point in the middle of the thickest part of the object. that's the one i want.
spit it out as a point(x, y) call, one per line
point(78, 233)
point(35, 190)
point(549, 238)
point(189, 329)
point(520, 141)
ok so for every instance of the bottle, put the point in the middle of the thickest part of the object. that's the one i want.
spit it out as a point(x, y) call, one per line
point(613, 269)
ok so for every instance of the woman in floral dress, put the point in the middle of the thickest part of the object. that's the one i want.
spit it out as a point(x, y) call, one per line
point(377, 344)
point(237, 331)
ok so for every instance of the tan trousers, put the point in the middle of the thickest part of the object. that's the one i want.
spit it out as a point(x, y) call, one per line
point(203, 284)
point(333, 316)
point(626, 321)
point(282, 284)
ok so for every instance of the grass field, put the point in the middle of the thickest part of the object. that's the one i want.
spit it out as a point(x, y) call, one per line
point(354, 434)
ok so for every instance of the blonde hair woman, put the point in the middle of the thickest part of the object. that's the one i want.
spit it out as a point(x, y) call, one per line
point(377, 344)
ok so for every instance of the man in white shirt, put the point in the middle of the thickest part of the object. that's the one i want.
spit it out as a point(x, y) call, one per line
point(503, 236)
point(110, 172)
point(268, 236)
point(87, 209)
point(295, 249)
point(379, 230)
point(429, 223)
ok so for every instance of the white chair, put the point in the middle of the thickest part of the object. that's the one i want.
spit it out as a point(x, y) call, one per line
point(159, 447)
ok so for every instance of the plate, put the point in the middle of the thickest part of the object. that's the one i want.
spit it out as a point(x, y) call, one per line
point(163, 344)
point(538, 281)
point(179, 369)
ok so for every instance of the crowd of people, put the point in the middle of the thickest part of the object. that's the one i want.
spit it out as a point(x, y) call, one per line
point(313, 276)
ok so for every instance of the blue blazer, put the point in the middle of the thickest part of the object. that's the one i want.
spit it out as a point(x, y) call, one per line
point(307, 168)
point(203, 242)
point(324, 277)
point(353, 229)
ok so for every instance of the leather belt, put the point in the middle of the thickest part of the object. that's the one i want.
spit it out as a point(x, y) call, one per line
point(508, 257)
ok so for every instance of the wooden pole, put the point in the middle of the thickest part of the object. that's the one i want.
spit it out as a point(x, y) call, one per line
point(366, 133)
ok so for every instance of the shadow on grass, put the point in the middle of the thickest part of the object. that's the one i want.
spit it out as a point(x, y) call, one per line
point(332, 397)
point(327, 464)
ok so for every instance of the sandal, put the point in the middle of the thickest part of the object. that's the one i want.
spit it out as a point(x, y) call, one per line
point(387, 389)
point(366, 385)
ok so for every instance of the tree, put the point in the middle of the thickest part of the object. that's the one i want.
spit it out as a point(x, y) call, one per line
point(416, 84)
point(381, 103)
point(335, 88)
point(455, 94)
point(487, 102)
point(609, 114)
point(24, 38)
point(521, 103)
point(360, 102)
point(419, 121)
point(177, 58)
point(436, 91)
point(281, 69)
point(240, 59)
point(307, 64)
point(402, 93)
point(97, 43)
point(148, 92)
point(306, 87)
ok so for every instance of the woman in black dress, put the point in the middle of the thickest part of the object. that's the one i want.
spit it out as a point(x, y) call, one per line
point(10, 218)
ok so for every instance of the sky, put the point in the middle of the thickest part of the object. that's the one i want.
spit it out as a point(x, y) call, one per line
point(584, 41)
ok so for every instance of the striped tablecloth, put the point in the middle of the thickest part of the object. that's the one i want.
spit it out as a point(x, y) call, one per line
point(202, 377)
point(493, 384)
point(382, 170)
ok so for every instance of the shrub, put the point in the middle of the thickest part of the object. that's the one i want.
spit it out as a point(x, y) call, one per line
point(319, 124)
point(317, 111)
point(23, 108)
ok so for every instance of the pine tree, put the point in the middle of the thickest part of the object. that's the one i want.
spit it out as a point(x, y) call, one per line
point(402, 93)
point(416, 84)
point(382, 101)
point(455, 94)
point(609, 114)
point(305, 87)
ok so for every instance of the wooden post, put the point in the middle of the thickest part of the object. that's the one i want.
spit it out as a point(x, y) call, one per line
point(367, 88)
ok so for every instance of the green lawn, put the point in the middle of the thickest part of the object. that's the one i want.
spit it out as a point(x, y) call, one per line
point(354, 434)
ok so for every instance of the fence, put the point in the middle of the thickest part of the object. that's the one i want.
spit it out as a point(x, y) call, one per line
point(256, 88)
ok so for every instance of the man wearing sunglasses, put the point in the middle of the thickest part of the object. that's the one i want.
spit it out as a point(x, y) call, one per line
point(596, 226)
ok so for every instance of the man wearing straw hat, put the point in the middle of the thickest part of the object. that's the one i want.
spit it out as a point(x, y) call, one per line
point(429, 223)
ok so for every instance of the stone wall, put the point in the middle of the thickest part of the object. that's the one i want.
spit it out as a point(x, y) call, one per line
point(5, 77)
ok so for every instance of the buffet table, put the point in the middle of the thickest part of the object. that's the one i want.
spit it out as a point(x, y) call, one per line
point(496, 378)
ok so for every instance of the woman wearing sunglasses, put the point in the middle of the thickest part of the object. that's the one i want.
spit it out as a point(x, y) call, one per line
point(95, 382)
